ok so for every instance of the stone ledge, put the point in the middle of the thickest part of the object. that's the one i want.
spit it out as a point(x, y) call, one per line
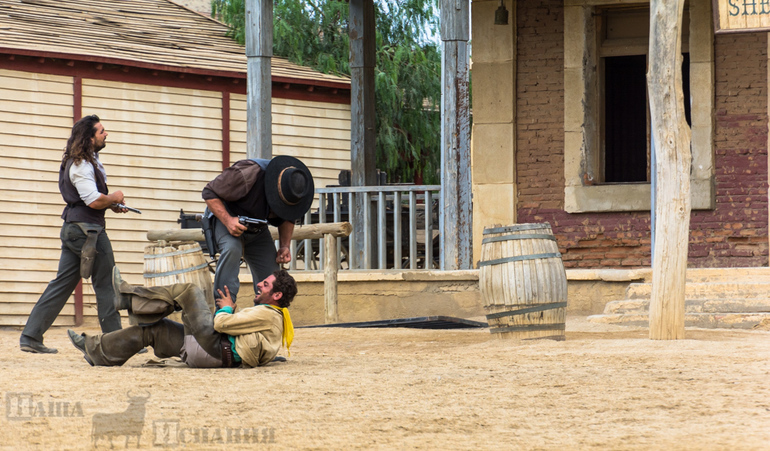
point(610, 275)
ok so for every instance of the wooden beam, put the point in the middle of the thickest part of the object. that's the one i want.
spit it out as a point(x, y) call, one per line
point(455, 221)
point(362, 113)
point(331, 313)
point(671, 135)
point(259, 51)
point(225, 130)
point(301, 232)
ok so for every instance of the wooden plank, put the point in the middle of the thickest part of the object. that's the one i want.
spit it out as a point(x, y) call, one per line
point(24, 307)
point(151, 168)
point(34, 153)
point(149, 146)
point(295, 107)
point(287, 120)
point(320, 158)
point(21, 320)
point(313, 132)
point(37, 97)
point(52, 144)
point(312, 105)
point(36, 114)
point(6, 73)
point(115, 107)
point(118, 86)
point(205, 124)
point(301, 141)
point(158, 96)
point(187, 129)
point(35, 89)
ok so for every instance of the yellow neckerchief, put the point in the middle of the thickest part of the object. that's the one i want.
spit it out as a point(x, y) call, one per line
point(288, 327)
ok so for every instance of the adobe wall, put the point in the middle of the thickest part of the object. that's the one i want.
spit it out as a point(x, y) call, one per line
point(735, 234)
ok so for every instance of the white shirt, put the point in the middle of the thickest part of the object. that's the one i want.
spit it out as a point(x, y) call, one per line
point(83, 178)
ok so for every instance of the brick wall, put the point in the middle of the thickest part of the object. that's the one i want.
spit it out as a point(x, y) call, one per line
point(735, 234)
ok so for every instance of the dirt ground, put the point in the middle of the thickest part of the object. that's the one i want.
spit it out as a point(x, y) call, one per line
point(605, 387)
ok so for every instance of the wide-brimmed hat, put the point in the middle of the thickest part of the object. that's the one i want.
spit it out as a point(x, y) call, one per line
point(289, 187)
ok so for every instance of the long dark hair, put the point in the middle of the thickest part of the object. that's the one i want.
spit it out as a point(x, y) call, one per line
point(79, 146)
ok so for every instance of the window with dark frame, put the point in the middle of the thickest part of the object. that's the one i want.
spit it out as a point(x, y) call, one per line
point(625, 129)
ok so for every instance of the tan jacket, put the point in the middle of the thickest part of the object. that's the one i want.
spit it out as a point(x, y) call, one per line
point(257, 331)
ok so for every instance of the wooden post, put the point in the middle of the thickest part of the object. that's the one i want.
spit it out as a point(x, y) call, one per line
point(259, 51)
point(330, 280)
point(362, 113)
point(455, 212)
point(671, 135)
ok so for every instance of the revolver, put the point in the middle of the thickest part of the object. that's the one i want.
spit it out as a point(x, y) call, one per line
point(252, 224)
point(127, 208)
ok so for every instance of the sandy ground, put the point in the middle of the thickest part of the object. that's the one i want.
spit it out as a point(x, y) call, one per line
point(605, 387)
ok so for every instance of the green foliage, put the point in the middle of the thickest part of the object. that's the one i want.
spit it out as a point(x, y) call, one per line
point(314, 33)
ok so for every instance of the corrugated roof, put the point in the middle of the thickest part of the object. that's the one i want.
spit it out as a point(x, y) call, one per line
point(146, 33)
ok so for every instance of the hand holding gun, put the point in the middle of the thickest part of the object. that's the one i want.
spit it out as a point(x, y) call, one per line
point(127, 208)
point(253, 225)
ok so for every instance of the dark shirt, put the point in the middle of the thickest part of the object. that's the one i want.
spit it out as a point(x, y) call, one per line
point(241, 187)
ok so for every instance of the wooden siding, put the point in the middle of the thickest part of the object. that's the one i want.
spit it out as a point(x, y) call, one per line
point(164, 144)
point(316, 133)
point(36, 118)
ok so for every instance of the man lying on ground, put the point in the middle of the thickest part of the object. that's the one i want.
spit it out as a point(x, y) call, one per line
point(251, 337)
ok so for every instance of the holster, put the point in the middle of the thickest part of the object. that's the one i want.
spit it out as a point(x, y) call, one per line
point(228, 359)
point(208, 221)
point(88, 251)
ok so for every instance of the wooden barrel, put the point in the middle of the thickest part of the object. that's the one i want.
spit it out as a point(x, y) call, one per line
point(170, 263)
point(522, 282)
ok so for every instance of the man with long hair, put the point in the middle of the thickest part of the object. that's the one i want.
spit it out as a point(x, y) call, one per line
point(86, 250)
point(249, 337)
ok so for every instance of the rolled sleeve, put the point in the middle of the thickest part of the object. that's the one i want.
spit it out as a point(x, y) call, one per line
point(233, 183)
point(83, 178)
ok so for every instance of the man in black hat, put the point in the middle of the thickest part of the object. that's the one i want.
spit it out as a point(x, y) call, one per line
point(279, 191)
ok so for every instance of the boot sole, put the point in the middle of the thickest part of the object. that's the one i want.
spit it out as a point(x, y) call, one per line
point(85, 355)
point(32, 350)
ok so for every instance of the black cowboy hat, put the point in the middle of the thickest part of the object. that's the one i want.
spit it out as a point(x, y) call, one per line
point(289, 187)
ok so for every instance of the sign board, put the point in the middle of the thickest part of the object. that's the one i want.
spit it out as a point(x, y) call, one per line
point(741, 16)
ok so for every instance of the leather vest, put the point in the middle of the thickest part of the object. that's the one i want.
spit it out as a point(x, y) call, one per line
point(76, 210)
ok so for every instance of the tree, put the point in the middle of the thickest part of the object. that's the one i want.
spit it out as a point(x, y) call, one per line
point(314, 33)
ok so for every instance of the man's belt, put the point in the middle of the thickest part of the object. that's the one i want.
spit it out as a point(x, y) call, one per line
point(228, 359)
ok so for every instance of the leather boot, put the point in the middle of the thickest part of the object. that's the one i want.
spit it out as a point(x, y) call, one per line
point(115, 348)
point(122, 291)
